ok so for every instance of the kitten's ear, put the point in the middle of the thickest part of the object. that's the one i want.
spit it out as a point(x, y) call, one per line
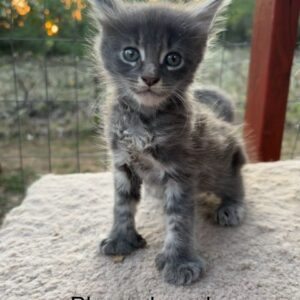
point(207, 11)
point(105, 10)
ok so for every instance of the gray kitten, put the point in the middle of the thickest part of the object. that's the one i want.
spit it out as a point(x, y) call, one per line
point(160, 134)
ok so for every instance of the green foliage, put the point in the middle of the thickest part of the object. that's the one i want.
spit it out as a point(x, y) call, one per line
point(239, 23)
point(51, 29)
point(12, 185)
point(14, 182)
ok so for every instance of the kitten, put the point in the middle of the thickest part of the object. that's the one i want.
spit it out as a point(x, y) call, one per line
point(159, 134)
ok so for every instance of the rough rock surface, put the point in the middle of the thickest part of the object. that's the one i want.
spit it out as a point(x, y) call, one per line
point(49, 245)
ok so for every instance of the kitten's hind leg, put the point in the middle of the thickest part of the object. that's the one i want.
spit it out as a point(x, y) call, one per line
point(231, 210)
point(123, 238)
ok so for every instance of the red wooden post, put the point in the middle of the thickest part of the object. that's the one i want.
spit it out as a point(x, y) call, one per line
point(273, 44)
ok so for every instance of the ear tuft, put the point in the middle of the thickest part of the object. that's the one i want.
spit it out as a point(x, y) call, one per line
point(106, 10)
point(206, 13)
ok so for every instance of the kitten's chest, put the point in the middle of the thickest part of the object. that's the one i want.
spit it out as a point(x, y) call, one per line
point(133, 136)
point(138, 144)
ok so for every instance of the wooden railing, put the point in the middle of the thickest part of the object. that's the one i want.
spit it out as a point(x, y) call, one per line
point(273, 44)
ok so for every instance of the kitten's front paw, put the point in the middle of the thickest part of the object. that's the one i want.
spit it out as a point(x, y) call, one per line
point(229, 214)
point(179, 271)
point(122, 244)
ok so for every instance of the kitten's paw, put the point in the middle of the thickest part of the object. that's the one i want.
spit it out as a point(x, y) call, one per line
point(229, 214)
point(122, 244)
point(179, 271)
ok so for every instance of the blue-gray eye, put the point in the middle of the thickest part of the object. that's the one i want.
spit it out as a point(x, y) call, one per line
point(173, 59)
point(131, 54)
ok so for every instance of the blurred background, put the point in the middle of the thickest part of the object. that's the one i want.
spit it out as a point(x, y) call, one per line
point(49, 93)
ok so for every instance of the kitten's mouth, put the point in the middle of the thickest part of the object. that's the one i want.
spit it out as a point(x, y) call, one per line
point(148, 92)
point(149, 97)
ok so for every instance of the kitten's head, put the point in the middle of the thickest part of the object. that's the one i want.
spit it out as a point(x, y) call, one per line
point(152, 51)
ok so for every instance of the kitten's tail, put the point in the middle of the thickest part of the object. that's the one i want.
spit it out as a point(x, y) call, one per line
point(216, 100)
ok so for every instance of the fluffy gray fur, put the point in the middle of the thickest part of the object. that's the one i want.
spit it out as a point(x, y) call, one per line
point(159, 135)
point(218, 101)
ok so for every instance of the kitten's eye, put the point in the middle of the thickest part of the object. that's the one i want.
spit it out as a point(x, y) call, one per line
point(173, 60)
point(131, 54)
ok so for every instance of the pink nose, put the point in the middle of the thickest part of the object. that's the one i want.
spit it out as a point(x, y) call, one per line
point(150, 80)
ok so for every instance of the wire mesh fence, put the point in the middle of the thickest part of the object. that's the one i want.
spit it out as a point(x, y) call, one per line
point(291, 141)
point(48, 106)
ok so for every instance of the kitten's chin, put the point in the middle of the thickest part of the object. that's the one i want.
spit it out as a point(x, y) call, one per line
point(149, 99)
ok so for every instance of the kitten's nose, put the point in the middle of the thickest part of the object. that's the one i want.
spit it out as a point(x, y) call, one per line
point(150, 80)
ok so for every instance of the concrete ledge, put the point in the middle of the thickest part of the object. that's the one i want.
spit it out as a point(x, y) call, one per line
point(49, 245)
